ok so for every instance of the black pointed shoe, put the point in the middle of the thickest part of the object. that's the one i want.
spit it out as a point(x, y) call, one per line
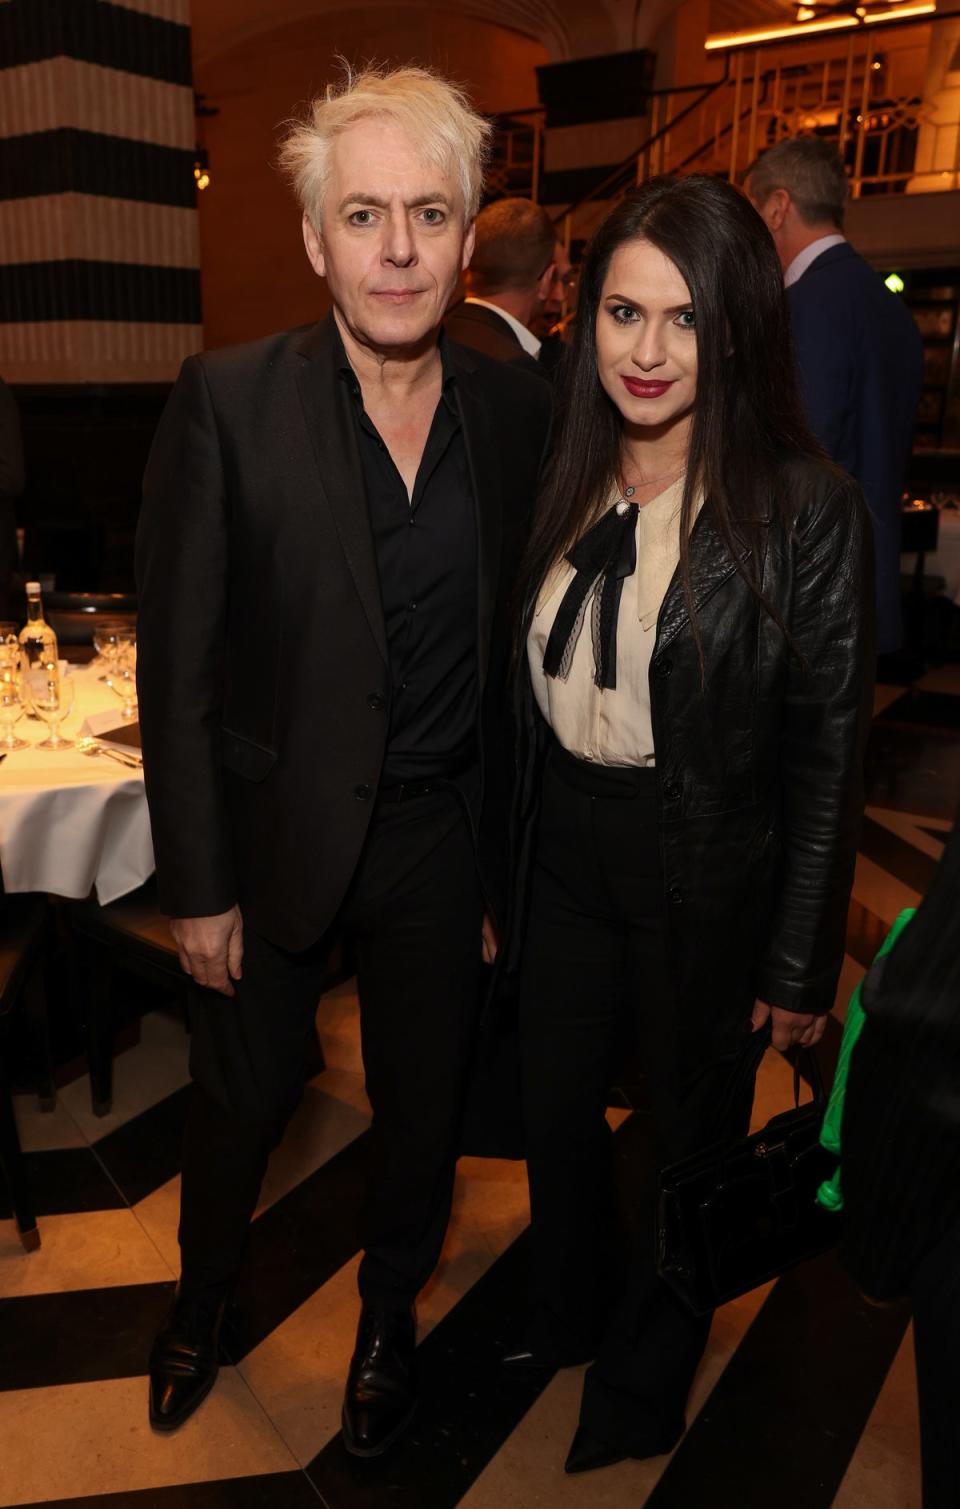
point(381, 1385)
point(588, 1451)
point(184, 1360)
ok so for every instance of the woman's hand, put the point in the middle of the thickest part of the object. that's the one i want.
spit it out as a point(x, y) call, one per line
point(789, 1027)
point(489, 941)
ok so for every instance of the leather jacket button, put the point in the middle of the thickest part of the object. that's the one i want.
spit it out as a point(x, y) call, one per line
point(671, 790)
point(376, 702)
point(663, 667)
point(675, 895)
point(363, 793)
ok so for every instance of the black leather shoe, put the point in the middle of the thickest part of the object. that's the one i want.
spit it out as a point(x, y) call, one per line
point(184, 1360)
point(381, 1385)
point(587, 1451)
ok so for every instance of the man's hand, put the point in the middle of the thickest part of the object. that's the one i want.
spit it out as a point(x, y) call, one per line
point(789, 1027)
point(211, 948)
point(489, 942)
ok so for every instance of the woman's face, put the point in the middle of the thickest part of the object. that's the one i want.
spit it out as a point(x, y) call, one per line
point(646, 341)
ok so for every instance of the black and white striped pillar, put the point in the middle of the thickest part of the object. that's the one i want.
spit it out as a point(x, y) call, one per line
point(99, 244)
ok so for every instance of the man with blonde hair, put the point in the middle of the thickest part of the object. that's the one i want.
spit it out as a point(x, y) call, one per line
point(511, 277)
point(332, 520)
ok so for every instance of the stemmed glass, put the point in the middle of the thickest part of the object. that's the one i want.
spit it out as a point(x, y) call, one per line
point(9, 650)
point(109, 637)
point(11, 711)
point(50, 694)
point(123, 684)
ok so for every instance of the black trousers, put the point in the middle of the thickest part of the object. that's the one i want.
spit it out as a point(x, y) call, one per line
point(936, 1334)
point(597, 969)
point(414, 912)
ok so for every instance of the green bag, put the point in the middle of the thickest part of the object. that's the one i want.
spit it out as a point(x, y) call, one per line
point(830, 1193)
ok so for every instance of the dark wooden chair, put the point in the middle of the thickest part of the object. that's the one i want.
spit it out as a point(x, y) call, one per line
point(23, 933)
point(132, 934)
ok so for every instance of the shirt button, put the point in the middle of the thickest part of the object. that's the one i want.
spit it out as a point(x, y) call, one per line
point(588, 754)
point(675, 895)
point(377, 702)
point(363, 793)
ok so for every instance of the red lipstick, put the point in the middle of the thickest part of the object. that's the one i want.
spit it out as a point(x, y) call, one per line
point(642, 389)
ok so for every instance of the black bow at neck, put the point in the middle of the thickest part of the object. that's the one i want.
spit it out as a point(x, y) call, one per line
point(603, 558)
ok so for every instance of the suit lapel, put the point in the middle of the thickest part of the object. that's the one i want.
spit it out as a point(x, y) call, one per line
point(711, 564)
point(331, 438)
point(485, 463)
point(494, 322)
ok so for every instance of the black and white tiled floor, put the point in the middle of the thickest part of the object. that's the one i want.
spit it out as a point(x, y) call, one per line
point(805, 1396)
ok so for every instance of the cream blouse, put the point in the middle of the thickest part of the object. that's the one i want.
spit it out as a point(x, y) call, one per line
point(612, 727)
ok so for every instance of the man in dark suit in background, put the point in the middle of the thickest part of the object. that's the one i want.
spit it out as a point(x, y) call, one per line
point(511, 278)
point(858, 348)
point(332, 521)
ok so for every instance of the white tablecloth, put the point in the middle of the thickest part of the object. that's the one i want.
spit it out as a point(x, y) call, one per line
point(945, 560)
point(68, 822)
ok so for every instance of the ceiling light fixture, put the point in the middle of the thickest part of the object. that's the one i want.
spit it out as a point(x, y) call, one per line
point(724, 41)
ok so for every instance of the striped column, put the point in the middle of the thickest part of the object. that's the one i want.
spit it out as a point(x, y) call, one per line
point(99, 243)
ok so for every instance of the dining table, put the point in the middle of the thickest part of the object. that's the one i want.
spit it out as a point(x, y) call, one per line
point(70, 822)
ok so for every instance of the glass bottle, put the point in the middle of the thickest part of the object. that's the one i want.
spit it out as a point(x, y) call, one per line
point(38, 643)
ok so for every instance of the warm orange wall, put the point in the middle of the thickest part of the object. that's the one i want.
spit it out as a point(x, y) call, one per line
point(255, 276)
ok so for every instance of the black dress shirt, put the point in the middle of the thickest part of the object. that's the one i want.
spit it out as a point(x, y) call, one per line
point(426, 549)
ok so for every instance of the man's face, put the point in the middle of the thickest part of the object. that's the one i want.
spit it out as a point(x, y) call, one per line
point(773, 211)
point(392, 241)
point(550, 310)
point(560, 287)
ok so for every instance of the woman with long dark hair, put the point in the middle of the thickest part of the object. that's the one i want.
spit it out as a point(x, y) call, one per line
point(696, 632)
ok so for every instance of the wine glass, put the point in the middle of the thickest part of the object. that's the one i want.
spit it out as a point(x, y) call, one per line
point(51, 697)
point(108, 639)
point(9, 649)
point(123, 683)
point(11, 711)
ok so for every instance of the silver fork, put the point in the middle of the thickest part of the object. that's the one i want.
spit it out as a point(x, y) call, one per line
point(91, 747)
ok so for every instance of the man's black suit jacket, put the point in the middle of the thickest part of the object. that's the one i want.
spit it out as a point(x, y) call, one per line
point(861, 368)
point(483, 330)
point(262, 658)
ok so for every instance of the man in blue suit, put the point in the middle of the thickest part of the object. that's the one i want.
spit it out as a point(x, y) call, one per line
point(858, 349)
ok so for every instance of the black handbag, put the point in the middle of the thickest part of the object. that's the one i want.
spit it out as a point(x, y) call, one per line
point(743, 1211)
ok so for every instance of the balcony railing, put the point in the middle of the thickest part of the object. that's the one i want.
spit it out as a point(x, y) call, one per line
point(862, 90)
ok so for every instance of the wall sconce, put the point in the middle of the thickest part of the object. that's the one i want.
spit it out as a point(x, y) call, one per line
point(201, 170)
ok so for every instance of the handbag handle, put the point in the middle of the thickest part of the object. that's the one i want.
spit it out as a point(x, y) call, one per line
point(814, 1076)
point(749, 1062)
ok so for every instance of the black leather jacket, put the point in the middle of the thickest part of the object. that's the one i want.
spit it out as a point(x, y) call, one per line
point(760, 768)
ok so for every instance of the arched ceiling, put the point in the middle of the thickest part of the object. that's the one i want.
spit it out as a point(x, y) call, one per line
point(565, 27)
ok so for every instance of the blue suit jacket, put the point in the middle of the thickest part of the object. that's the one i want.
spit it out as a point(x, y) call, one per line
point(861, 369)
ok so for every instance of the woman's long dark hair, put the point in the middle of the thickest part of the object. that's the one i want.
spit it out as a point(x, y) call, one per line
point(748, 417)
